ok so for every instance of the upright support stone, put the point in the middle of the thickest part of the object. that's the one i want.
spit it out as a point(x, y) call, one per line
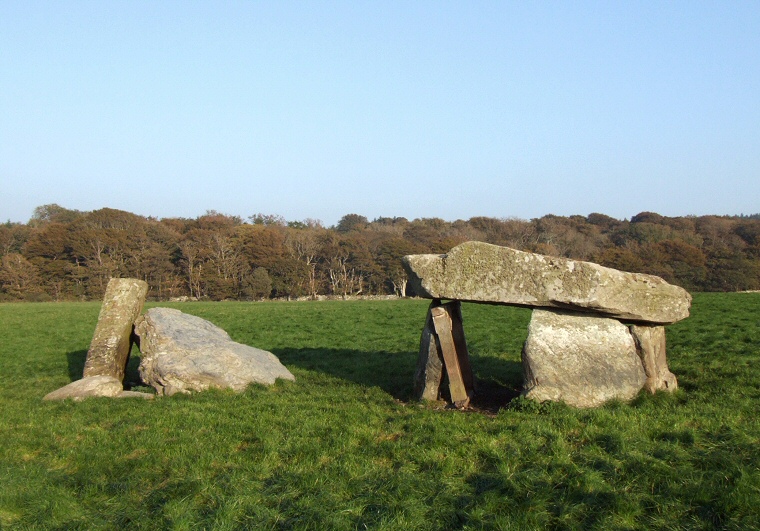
point(580, 359)
point(429, 373)
point(112, 340)
point(443, 346)
point(651, 348)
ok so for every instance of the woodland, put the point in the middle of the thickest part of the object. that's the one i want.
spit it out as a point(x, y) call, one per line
point(62, 254)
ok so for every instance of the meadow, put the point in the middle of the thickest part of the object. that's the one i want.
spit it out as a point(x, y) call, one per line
point(346, 447)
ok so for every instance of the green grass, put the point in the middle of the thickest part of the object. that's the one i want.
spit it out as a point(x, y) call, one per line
point(345, 447)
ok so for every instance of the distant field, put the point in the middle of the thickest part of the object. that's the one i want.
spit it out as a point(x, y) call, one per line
point(345, 447)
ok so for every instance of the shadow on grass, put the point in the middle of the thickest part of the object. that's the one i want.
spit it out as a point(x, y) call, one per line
point(76, 361)
point(393, 372)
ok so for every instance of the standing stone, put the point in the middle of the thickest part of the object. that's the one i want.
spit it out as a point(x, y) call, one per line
point(112, 341)
point(650, 346)
point(443, 351)
point(481, 272)
point(429, 373)
point(580, 359)
point(184, 353)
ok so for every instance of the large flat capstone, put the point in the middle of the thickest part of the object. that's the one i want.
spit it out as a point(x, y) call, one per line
point(184, 353)
point(481, 272)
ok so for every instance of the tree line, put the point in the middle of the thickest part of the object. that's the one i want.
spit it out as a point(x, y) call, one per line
point(63, 254)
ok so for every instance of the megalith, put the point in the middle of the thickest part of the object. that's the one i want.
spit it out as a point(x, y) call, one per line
point(583, 360)
point(481, 272)
point(429, 373)
point(443, 354)
point(182, 353)
point(596, 333)
point(112, 340)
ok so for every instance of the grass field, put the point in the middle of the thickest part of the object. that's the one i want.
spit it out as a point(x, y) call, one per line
point(345, 447)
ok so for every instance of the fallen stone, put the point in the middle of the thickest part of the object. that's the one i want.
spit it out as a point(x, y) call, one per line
point(580, 359)
point(181, 353)
point(112, 340)
point(88, 387)
point(481, 272)
point(651, 348)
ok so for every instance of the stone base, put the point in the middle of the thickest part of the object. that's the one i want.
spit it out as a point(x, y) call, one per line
point(94, 386)
point(580, 359)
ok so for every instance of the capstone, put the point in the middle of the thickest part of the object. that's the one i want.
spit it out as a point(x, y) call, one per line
point(481, 272)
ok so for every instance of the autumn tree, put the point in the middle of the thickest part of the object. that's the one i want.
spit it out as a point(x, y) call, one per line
point(19, 278)
point(352, 222)
point(48, 248)
point(53, 213)
point(389, 258)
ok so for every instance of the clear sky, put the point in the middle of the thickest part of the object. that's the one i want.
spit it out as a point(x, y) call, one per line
point(418, 109)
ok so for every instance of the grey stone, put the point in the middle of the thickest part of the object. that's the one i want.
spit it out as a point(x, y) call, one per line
point(184, 353)
point(651, 348)
point(582, 360)
point(429, 373)
point(112, 340)
point(481, 272)
point(90, 386)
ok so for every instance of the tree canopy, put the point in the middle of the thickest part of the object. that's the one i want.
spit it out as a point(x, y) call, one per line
point(65, 254)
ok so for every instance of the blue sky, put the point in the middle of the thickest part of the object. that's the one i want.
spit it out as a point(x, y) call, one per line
point(416, 109)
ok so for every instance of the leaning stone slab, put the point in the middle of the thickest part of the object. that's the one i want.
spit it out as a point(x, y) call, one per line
point(580, 359)
point(430, 370)
point(112, 340)
point(481, 272)
point(650, 345)
point(181, 353)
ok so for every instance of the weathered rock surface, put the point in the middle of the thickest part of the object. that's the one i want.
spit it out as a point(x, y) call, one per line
point(481, 272)
point(184, 353)
point(580, 359)
point(650, 346)
point(112, 340)
point(429, 373)
point(92, 386)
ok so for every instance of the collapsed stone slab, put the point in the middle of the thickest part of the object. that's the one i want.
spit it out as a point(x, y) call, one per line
point(112, 340)
point(184, 353)
point(94, 386)
point(481, 272)
point(582, 360)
